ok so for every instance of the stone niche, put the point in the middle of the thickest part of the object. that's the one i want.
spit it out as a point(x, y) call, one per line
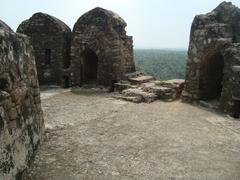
point(21, 118)
point(213, 50)
point(51, 40)
point(101, 52)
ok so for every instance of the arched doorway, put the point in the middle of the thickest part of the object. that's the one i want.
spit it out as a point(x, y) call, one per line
point(212, 77)
point(65, 83)
point(89, 66)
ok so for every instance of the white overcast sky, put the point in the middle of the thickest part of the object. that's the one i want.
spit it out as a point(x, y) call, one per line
point(152, 23)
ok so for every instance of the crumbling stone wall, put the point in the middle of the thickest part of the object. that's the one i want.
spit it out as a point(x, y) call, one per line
point(51, 41)
point(21, 119)
point(231, 83)
point(100, 50)
point(211, 55)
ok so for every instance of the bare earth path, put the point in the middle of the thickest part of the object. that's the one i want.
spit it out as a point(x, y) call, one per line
point(92, 136)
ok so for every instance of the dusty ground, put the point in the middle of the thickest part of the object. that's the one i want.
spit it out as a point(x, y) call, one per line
point(92, 136)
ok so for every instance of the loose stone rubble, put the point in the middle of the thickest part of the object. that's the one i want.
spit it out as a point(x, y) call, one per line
point(214, 49)
point(137, 87)
point(51, 40)
point(101, 50)
point(21, 118)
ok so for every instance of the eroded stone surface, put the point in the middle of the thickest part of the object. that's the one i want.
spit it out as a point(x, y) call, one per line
point(51, 42)
point(93, 136)
point(101, 50)
point(213, 50)
point(137, 87)
point(21, 119)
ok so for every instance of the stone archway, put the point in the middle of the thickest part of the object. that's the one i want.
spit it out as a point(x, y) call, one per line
point(89, 66)
point(103, 32)
point(65, 83)
point(211, 77)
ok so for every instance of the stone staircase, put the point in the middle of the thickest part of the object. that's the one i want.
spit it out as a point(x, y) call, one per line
point(138, 87)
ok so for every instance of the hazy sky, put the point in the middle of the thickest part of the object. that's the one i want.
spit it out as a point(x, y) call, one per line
point(152, 23)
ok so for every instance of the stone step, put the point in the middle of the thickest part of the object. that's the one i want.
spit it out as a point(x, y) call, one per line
point(134, 99)
point(173, 83)
point(133, 75)
point(146, 96)
point(148, 84)
point(141, 79)
point(158, 90)
point(162, 93)
point(139, 87)
point(120, 86)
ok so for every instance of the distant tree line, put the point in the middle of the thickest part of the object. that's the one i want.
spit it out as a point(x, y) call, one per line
point(162, 64)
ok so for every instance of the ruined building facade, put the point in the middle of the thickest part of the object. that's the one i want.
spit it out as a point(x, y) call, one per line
point(100, 51)
point(51, 40)
point(213, 51)
point(21, 118)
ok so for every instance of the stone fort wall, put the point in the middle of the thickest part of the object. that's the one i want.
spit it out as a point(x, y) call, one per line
point(21, 117)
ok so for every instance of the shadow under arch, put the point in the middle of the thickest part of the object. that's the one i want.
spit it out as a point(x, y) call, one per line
point(211, 76)
point(89, 66)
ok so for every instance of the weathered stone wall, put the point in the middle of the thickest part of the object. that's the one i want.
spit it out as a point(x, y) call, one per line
point(211, 41)
point(21, 119)
point(51, 40)
point(231, 83)
point(101, 33)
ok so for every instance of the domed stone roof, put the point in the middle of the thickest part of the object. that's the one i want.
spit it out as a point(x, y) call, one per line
point(4, 26)
point(51, 39)
point(42, 22)
point(102, 19)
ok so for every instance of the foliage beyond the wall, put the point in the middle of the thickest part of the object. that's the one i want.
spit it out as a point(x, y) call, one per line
point(162, 64)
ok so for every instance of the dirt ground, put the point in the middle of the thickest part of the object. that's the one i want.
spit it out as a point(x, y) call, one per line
point(91, 136)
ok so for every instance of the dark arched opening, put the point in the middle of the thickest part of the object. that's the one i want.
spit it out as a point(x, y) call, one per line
point(48, 57)
point(236, 109)
point(89, 66)
point(212, 77)
point(67, 51)
point(65, 82)
point(66, 60)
